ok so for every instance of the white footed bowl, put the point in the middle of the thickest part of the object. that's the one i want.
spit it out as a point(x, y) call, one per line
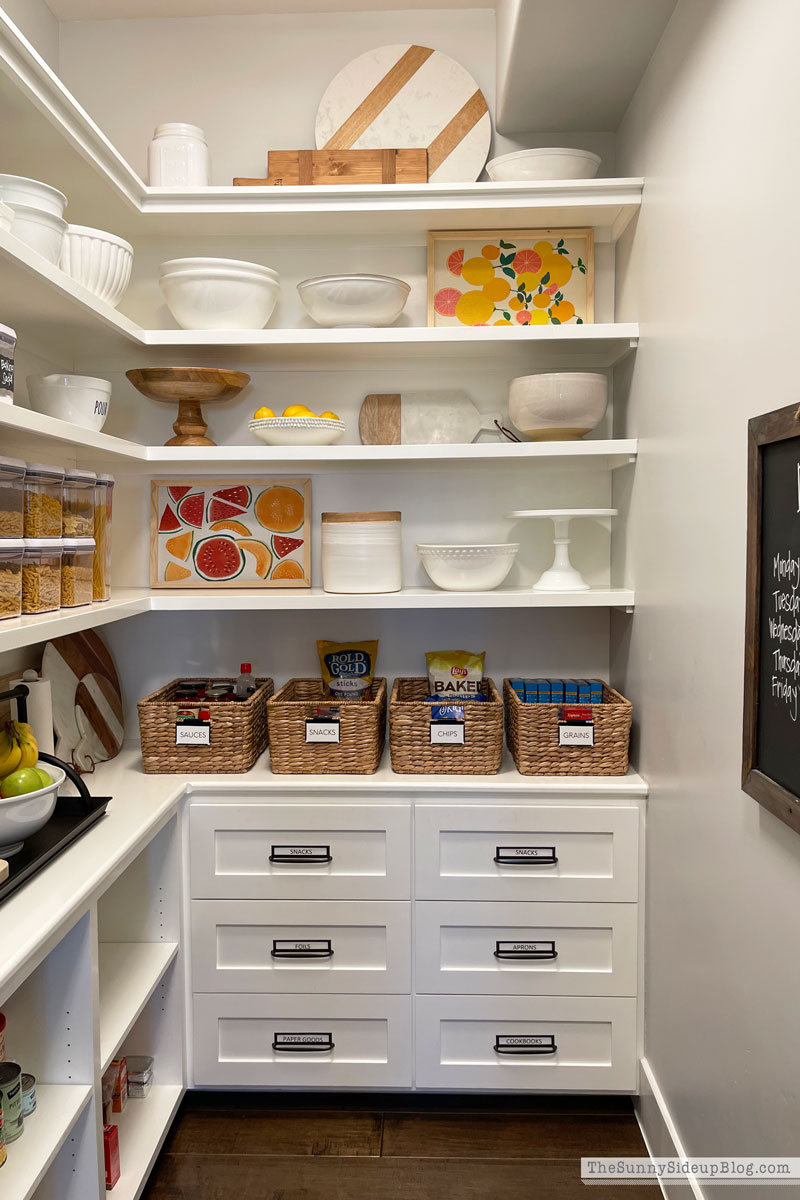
point(297, 431)
point(219, 293)
point(40, 230)
point(476, 568)
point(21, 816)
point(98, 260)
point(545, 162)
point(81, 399)
point(16, 189)
point(354, 301)
point(557, 406)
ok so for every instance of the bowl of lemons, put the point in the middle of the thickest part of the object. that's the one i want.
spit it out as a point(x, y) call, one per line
point(296, 426)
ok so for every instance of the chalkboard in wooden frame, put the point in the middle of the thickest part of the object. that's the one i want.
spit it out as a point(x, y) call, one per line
point(771, 741)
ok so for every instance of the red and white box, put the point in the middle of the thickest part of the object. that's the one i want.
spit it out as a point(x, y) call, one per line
point(111, 1153)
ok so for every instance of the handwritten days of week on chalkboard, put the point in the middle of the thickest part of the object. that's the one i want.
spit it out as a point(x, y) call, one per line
point(771, 744)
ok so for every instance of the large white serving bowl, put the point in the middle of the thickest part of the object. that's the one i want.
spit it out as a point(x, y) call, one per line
point(297, 431)
point(16, 189)
point(21, 816)
point(354, 301)
point(545, 162)
point(40, 230)
point(557, 406)
point(219, 293)
point(81, 399)
point(473, 568)
point(98, 260)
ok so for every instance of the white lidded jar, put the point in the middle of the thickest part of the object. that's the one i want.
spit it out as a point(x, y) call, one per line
point(178, 157)
point(361, 552)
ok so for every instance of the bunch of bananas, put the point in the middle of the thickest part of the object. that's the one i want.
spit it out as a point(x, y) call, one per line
point(18, 747)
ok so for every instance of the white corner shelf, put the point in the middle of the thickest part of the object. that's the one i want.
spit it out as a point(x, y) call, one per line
point(58, 1107)
point(129, 974)
point(143, 1126)
point(27, 631)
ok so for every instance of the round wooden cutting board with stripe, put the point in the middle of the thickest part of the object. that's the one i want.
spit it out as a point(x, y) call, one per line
point(406, 97)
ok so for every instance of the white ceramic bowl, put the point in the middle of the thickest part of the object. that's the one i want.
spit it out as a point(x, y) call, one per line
point(354, 301)
point(80, 399)
point(557, 406)
point(477, 568)
point(98, 260)
point(546, 162)
point(297, 431)
point(219, 293)
point(40, 230)
point(16, 189)
point(6, 216)
point(21, 816)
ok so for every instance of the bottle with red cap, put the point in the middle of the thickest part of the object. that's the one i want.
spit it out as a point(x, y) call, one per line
point(245, 685)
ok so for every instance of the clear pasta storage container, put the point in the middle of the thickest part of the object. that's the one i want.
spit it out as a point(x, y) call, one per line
point(77, 564)
point(12, 480)
point(43, 501)
point(103, 495)
point(78, 519)
point(41, 575)
point(10, 577)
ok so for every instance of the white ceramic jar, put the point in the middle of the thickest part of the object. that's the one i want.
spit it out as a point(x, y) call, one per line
point(178, 157)
point(361, 552)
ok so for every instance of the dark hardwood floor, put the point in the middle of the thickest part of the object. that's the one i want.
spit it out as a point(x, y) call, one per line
point(233, 1146)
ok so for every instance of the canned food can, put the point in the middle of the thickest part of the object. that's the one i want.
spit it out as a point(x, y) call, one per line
point(3, 1155)
point(28, 1095)
point(11, 1099)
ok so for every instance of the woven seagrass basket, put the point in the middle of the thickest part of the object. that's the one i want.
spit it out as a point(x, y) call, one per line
point(238, 732)
point(362, 731)
point(532, 733)
point(410, 733)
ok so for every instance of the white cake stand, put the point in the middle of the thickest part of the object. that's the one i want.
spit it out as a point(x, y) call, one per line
point(562, 576)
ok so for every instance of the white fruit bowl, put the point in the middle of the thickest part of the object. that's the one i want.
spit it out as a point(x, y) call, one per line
point(81, 399)
point(40, 230)
point(354, 301)
point(100, 261)
point(16, 189)
point(22, 816)
point(477, 568)
point(219, 293)
point(297, 431)
point(557, 406)
point(545, 162)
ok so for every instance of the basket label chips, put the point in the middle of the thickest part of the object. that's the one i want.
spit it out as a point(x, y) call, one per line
point(348, 668)
point(455, 673)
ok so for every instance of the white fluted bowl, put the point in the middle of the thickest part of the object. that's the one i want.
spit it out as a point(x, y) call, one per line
point(100, 261)
point(557, 405)
point(81, 399)
point(354, 301)
point(219, 293)
point(544, 162)
point(22, 816)
point(297, 431)
point(475, 568)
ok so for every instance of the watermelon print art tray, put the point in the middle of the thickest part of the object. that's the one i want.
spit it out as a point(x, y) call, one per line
point(230, 532)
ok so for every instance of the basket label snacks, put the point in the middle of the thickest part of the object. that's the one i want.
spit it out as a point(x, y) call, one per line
point(348, 668)
point(455, 673)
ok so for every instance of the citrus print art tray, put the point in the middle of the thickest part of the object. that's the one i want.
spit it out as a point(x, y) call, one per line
point(230, 533)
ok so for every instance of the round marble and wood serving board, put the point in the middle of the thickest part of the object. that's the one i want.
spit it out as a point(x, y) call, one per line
point(409, 97)
point(87, 701)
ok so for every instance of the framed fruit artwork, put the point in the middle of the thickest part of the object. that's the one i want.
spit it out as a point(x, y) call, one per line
point(230, 533)
point(513, 277)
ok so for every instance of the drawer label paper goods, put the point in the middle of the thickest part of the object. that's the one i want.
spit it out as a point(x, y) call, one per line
point(303, 1042)
point(322, 730)
point(523, 1043)
point(447, 733)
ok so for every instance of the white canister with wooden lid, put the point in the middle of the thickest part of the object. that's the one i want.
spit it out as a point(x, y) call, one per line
point(361, 552)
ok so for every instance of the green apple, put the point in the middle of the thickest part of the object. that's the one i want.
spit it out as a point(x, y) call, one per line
point(43, 775)
point(19, 783)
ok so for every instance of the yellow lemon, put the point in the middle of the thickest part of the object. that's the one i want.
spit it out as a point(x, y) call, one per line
point(559, 268)
point(474, 308)
point(529, 280)
point(477, 271)
point(491, 251)
point(330, 416)
point(261, 413)
point(496, 289)
point(515, 303)
point(297, 410)
point(543, 248)
point(539, 317)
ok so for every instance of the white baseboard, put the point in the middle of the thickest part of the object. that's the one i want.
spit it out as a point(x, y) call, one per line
point(659, 1132)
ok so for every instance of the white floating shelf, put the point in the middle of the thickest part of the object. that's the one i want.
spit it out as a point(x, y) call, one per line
point(142, 1128)
point(27, 631)
point(58, 1107)
point(129, 974)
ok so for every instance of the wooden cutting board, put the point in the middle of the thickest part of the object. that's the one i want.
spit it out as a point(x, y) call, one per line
point(327, 167)
point(87, 699)
point(446, 417)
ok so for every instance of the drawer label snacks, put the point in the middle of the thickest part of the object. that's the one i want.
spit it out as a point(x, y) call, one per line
point(300, 854)
point(304, 1043)
point(523, 1043)
point(301, 948)
point(512, 855)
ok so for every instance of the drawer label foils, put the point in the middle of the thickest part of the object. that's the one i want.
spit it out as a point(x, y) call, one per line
point(303, 1043)
point(302, 948)
point(525, 1043)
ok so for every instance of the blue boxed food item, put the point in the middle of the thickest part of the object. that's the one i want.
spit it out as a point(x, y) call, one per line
point(556, 691)
point(570, 691)
point(596, 686)
point(518, 686)
point(584, 691)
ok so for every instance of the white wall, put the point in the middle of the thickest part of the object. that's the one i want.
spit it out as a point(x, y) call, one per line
point(34, 19)
point(711, 273)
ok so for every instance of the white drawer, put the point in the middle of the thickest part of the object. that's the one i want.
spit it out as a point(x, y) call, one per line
point(526, 949)
point(594, 1040)
point(235, 1040)
point(544, 853)
point(301, 946)
point(300, 851)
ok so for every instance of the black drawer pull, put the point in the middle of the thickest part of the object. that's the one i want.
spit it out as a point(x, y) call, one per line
point(303, 1043)
point(525, 1044)
point(525, 856)
point(298, 855)
point(517, 951)
point(301, 948)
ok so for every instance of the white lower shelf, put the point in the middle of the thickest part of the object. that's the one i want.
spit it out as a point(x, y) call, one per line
point(129, 974)
point(58, 1107)
point(142, 1128)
